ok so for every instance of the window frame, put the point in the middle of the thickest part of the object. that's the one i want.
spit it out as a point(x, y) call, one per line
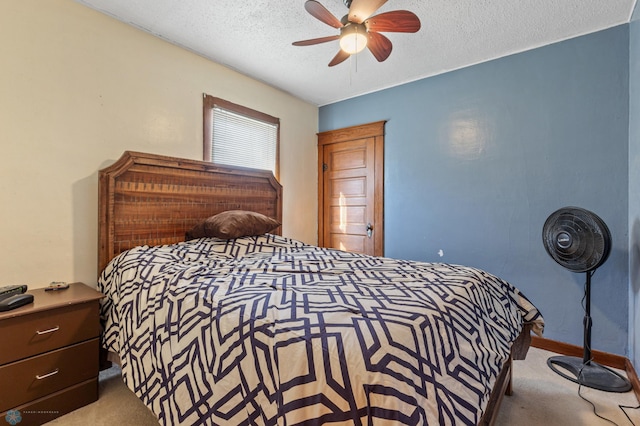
point(209, 102)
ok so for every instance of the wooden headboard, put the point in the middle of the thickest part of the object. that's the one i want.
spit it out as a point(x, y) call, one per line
point(147, 199)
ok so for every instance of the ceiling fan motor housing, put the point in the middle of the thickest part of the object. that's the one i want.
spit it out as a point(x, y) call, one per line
point(360, 29)
point(577, 239)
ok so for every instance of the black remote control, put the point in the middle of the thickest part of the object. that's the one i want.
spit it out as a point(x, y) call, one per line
point(9, 290)
point(15, 301)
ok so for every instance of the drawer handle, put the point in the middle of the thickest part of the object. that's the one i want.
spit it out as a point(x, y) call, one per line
point(44, 376)
point(51, 330)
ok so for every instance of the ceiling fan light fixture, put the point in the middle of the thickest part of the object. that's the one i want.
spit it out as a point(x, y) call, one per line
point(353, 38)
point(360, 28)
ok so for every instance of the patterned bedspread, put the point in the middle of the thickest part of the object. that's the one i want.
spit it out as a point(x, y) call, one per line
point(270, 331)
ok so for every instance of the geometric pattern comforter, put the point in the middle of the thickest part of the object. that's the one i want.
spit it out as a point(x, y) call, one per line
point(270, 331)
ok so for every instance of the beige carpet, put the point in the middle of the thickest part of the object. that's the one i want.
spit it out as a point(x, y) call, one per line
point(540, 397)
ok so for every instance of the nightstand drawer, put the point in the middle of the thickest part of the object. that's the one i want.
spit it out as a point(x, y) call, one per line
point(41, 375)
point(57, 404)
point(24, 336)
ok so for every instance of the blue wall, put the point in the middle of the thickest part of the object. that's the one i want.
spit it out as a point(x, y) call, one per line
point(479, 157)
point(634, 186)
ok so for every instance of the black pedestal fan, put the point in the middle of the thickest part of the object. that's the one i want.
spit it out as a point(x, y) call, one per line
point(580, 241)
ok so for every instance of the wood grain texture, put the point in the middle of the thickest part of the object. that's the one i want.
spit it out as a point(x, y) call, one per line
point(604, 358)
point(351, 133)
point(334, 141)
point(501, 388)
point(149, 199)
point(43, 410)
point(40, 376)
point(49, 347)
point(633, 378)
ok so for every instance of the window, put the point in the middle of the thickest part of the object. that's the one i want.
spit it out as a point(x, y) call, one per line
point(238, 136)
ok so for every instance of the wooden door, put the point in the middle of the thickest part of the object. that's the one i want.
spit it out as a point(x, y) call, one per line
point(350, 195)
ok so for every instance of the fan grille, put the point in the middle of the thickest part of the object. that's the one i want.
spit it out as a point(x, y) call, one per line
point(576, 239)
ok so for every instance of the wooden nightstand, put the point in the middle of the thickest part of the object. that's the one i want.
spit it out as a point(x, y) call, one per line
point(49, 354)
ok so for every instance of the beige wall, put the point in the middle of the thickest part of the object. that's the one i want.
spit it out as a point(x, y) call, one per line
point(78, 88)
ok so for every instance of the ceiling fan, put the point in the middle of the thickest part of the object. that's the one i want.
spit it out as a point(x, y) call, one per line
point(358, 29)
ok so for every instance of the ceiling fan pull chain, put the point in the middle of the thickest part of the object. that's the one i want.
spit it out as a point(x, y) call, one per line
point(356, 61)
point(353, 65)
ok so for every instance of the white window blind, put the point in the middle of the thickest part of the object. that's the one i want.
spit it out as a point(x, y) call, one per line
point(239, 140)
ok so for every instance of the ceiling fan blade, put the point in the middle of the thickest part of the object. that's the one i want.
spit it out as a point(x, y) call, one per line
point(362, 9)
point(316, 40)
point(340, 57)
point(398, 21)
point(319, 12)
point(379, 45)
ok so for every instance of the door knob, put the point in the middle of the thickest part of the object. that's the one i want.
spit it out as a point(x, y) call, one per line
point(369, 229)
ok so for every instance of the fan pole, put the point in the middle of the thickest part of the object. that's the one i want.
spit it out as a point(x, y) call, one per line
point(586, 372)
point(586, 359)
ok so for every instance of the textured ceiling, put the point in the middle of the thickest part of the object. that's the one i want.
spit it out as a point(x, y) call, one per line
point(254, 37)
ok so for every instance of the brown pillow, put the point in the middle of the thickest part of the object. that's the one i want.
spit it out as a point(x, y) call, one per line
point(233, 224)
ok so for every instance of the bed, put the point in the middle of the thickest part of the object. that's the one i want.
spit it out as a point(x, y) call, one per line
point(266, 330)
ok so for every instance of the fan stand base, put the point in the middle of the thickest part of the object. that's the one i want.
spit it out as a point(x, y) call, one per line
point(589, 374)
